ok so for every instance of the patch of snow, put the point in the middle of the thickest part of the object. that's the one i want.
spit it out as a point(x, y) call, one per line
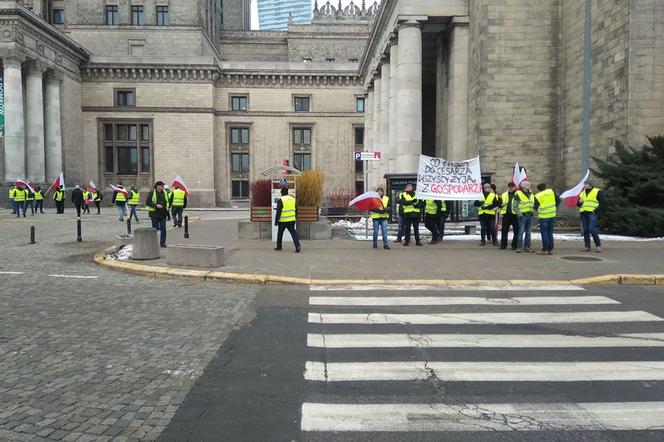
point(123, 254)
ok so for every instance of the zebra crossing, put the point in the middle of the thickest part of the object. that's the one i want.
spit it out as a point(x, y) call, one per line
point(366, 351)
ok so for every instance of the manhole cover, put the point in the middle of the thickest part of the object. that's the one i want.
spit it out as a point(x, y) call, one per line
point(581, 258)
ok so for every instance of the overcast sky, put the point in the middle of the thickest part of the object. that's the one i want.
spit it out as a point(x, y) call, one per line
point(254, 8)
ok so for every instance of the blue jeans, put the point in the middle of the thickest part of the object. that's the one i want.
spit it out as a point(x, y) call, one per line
point(382, 224)
point(160, 224)
point(13, 206)
point(525, 227)
point(20, 205)
point(121, 212)
point(31, 205)
point(132, 211)
point(39, 206)
point(401, 228)
point(546, 230)
point(589, 223)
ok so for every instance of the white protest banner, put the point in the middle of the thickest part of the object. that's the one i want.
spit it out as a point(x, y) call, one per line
point(438, 179)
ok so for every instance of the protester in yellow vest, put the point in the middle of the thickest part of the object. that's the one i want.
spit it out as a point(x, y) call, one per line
point(157, 205)
point(120, 201)
point(12, 204)
point(486, 212)
point(524, 202)
point(509, 217)
point(133, 202)
point(59, 198)
point(379, 218)
point(546, 204)
point(411, 214)
point(97, 197)
point(30, 202)
point(20, 196)
point(591, 201)
point(285, 220)
point(87, 200)
point(433, 211)
point(178, 202)
point(39, 200)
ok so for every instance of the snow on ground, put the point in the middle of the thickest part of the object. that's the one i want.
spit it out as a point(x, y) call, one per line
point(123, 254)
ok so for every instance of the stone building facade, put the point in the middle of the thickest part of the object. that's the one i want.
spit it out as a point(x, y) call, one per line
point(139, 90)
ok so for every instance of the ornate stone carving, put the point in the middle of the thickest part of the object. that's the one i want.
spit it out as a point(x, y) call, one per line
point(171, 73)
point(329, 12)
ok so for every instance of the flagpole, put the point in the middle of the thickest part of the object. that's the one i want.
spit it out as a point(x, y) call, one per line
point(366, 189)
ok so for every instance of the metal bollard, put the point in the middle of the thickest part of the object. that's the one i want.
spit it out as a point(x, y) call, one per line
point(128, 226)
point(78, 230)
point(32, 234)
point(186, 227)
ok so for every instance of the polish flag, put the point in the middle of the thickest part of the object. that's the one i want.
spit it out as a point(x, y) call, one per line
point(92, 188)
point(25, 183)
point(571, 196)
point(119, 190)
point(59, 181)
point(178, 183)
point(367, 201)
point(519, 174)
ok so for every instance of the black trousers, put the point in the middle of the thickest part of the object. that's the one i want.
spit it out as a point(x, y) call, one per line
point(415, 223)
point(176, 213)
point(86, 208)
point(78, 209)
point(60, 206)
point(291, 229)
point(509, 220)
point(98, 206)
point(488, 230)
point(432, 223)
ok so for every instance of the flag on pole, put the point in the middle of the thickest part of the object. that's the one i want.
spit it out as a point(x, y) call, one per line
point(571, 196)
point(92, 188)
point(178, 183)
point(519, 174)
point(119, 190)
point(25, 183)
point(367, 201)
point(59, 181)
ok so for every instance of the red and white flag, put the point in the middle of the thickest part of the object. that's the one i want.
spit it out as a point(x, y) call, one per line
point(59, 181)
point(571, 196)
point(25, 183)
point(367, 201)
point(92, 188)
point(519, 174)
point(178, 183)
point(119, 189)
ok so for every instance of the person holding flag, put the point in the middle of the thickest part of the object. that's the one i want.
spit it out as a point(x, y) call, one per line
point(546, 205)
point(523, 204)
point(133, 202)
point(178, 200)
point(379, 216)
point(59, 198)
point(87, 200)
point(591, 201)
point(30, 199)
point(39, 200)
point(120, 200)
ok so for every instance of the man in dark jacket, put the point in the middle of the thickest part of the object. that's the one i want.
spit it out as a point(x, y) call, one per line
point(509, 217)
point(157, 204)
point(487, 215)
point(411, 214)
point(285, 219)
point(591, 201)
point(77, 199)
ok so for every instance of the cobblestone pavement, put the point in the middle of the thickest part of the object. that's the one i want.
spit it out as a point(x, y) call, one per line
point(91, 354)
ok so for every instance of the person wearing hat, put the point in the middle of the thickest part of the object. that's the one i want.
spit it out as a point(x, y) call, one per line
point(77, 199)
point(487, 214)
point(523, 204)
point(12, 204)
point(20, 195)
point(433, 211)
point(411, 214)
point(285, 219)
point(546, 205)
point(509, 217)
point(379, 218)
point(120, 201)
point(59, 198)
point(157, 205)
point(591, 201)
point(39, 200)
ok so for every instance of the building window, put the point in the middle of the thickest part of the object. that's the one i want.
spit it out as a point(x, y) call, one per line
point(240, 189)
point(111, 14)
point(359, 104)
point(306, 60)
point(162, 16)
point(353, 60)
point(359, 137)
point(302, 137)
point(301, 104)
point(126, 148)
point(239, 103)
point(302, 161)
point(240, 162)
point(329, 60)
point(137, 15)
point(125, 97)
point(239, 135)
point(58, 16)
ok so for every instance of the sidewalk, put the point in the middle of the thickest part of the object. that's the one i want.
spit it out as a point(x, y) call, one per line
point(346, 258)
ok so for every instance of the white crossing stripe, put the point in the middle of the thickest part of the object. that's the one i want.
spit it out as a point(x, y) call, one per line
point(457, 300)
point(486, 371)
point(73, 276)
point(483, 417)
point(482, 318)
point(11, 273)
point(424, 287)
point(417, 340)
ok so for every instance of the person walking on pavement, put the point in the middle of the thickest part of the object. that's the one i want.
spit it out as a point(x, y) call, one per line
point(411, 214)
point(30, 202)
point(285, 219)
point(379, 218)
point(12, 203)
point(97, 200)
point(133, 202)
point(400, 227)
point(59, 198)
point(487, 207)
point(157, 204)
point(178, 202)
point(432, 213)
point(39, 200)
point(523, 204)
point(509, 217)
point(19, 199)
point(591, 201)
point(87, 199)
point(546, 205)
point(167, 191)
point(77, 199)
point(120, 201)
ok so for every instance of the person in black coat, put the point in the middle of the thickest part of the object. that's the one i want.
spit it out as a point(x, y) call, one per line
point(77, 199)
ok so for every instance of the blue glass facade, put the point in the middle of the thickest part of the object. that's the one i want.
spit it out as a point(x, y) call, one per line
point(273, 14)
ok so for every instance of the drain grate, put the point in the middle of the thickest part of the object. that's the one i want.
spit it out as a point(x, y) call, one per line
point(581, 258)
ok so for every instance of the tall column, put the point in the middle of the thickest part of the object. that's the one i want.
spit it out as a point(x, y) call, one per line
point(375, 169)
point(368, 128)
point(53, 126)
point(409, 97)
point(384, 118)
point(14, 124)
point(457, 102)
point(34, 103)
point(394, 48)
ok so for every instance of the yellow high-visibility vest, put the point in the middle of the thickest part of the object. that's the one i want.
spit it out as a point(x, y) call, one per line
point(20, 195)
point(431, 208)
point(178, 198)
point(385, 215)
point(121, 197)
point(287, 210)
point(59, 195)
point(526, 203)
point(135, 199)
point(411, 207)
point(487, 201)
point(38, 195)
point(589, 202)
point(547, 204)
point(12, 192)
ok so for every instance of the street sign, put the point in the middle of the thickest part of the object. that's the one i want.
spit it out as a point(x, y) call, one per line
point(367, 156)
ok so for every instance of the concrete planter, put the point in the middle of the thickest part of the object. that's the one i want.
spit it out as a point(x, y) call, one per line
point(124, 240)
point(254, 230)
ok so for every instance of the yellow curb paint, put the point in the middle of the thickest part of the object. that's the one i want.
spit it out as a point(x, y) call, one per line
point(659, 279)
point(637, 279)
point(539, 282)
point(603, 279)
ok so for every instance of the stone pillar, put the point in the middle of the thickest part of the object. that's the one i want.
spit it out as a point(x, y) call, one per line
point(373, 165)
point(53, 126)
point(457, 101)
point(368, 127)
point(384, 119)
point(409, 97)
point(14, 119)
point(35, 122)
point(394, 48)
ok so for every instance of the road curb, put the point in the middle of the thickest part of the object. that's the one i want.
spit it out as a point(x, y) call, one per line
point(262, 279)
